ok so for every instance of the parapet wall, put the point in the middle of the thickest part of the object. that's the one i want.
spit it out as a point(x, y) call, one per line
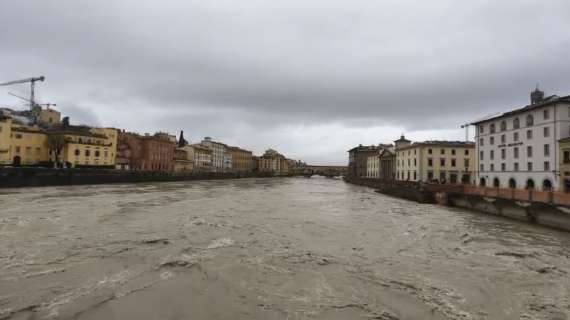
point(550, 209)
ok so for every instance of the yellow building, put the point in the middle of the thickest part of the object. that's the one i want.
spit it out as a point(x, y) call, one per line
point(440, 161)
point(22, 144)
point(242, 160)
point(80, 146)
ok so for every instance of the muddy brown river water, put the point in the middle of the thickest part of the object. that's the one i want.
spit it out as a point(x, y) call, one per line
point(291, 248)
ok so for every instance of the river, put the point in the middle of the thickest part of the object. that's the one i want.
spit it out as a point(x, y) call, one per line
point(291, 248)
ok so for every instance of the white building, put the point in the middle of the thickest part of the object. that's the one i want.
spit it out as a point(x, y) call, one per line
point(373, 167)
point(519, 148)
point(219, 159)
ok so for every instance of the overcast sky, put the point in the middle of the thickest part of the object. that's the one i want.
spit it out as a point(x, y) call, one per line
point(308, 78)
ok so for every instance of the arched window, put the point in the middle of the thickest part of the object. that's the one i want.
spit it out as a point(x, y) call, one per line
point(496, 183)
point(512, 183)
point(529, 120)
point(482, 182)
point(87, 153)
point(529, 184)
point(516, 123)
point(77, 152)
point(492, 128)
point(503, 126)
point(546, 185)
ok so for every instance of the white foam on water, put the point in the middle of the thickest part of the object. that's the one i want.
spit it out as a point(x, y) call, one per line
point(222, 242)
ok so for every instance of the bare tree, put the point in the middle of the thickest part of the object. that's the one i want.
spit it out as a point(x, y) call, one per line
point(56, 143)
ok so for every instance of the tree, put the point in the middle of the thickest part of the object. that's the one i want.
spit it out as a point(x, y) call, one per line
point(56, 142)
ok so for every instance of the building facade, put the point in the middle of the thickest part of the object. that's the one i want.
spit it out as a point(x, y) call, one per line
point(242, 160)
point(273, 163)
point(388, 164)
point(564, 163)
point(436, 161)
point(373, 167)
point(358, 159)
point(183, 160)
point(221, 160)
point(22, 144)
point(146, 153)
point(519, 149)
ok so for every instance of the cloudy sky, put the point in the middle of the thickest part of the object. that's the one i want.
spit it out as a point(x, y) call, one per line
point(309, 78)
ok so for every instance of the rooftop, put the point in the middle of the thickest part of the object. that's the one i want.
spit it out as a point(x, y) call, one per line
point(542, 103)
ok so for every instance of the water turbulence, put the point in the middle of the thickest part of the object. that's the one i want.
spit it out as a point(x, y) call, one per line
point(290, 248)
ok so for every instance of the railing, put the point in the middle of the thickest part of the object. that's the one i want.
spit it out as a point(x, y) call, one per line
point(547, 197)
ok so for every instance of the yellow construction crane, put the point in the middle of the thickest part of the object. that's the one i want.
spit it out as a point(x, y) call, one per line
point(32, 82)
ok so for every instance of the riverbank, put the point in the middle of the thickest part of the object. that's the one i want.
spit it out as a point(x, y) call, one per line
point(42, 177)
point(550, 209)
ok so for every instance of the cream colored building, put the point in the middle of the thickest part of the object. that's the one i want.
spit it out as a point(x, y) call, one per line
point(373, 167)
point(440, 161)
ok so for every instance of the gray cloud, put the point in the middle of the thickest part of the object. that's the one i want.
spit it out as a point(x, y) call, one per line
point(243, 71)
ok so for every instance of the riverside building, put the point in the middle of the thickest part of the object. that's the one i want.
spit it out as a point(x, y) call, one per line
point(519, 148)
point(435, 161)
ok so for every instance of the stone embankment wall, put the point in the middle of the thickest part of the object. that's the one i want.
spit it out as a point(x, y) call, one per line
point(38, 177)
point(550, 209)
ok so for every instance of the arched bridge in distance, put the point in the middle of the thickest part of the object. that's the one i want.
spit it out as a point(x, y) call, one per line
point(327, 171)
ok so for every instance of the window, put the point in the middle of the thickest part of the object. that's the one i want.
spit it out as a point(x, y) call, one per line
point(503, 167)
point(503, 138)
point(87, 153)
point(566, 156)
point(97, 153)
point(442, 151)
point(466, 163)
point(18, 136)
point(482, 167)
point(492, 155)
point(503, 126)
point(415, 161)
point(481, 142)
point(17, 149)
point(529, 166)
point(516, 137)
point(77, 152)
point(453, 162)
point(546, 114)
point(492, 128)
point(503, 153)
point(492, 167)
point(529, 134)
point(466, 152)
point(546, 166)
point(415, 175)
point(516, 152)
point(546, 132)
point(430, 151)
point(442, 162)
point(430, 162)
point(492, 140)
point(516, 123)
point(546, 150)
point(482, 127)
point(452, 151)
point(529, 151)
point(430, 175)
point(481, 155)
point(529, 120)
point(516, 166)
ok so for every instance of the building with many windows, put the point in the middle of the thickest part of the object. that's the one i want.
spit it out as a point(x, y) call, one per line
point(435, 161)
point(242, 160)
point(519, 148)
point(221, 159)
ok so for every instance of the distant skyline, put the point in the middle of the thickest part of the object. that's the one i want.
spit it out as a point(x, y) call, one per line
point(309, 79)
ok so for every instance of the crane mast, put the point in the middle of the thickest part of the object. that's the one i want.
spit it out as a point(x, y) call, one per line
point(32, 82)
